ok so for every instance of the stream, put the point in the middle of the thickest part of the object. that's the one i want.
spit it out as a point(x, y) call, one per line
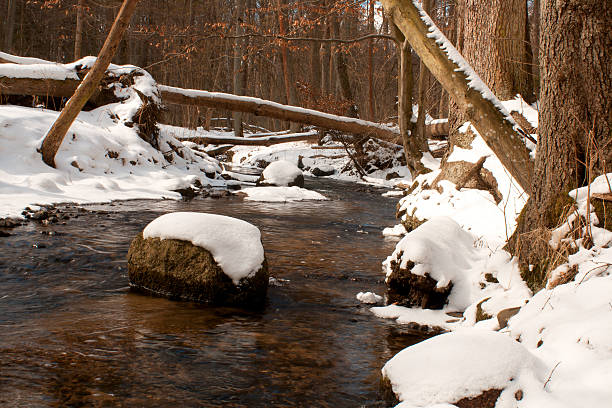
point(72, 333)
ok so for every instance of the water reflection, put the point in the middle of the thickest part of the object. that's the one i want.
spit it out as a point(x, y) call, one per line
point(71, 334)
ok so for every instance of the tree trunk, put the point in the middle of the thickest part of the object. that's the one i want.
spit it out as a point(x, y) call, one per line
point(423, 84)
point(238, 67)
point(371, 115)
point(535, 45)
point(53, 139)
point(290, 90)
point(404, 104)
point(492, 39)
point(342, 71)
point(78, 33)
point(576, 106)
point(10, 25)
point(495, 127)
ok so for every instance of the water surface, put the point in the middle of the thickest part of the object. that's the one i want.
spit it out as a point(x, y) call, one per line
point(72, 334)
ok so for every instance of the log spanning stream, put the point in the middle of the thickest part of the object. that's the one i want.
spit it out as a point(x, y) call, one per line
point(72, 333)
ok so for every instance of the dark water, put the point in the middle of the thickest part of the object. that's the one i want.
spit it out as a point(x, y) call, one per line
point(72, 334)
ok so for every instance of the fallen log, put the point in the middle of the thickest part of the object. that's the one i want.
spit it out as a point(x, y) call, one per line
point(252, 141)
point(65, 88)
point(491, 120)
point(47, 88)
point(261, 107)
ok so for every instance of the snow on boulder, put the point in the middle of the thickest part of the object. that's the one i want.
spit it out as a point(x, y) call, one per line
point(428, 263)
point(475, 366)
point(283, 174)
point(201, 257)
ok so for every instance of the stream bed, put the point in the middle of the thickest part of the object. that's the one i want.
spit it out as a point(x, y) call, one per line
point(72, 333)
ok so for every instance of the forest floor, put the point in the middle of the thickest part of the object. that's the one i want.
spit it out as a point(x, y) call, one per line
point(562, 356)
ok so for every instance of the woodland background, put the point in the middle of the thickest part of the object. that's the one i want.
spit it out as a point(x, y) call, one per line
point(334, 56)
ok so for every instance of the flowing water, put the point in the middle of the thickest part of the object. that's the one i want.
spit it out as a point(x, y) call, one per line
point(72, 333)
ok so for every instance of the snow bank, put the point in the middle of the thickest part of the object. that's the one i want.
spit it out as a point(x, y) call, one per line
point(571, 325)
point(425, 317)
point(281, 173)
point(234, 244)
point(100, 160)
point(475, 210)
point(280, 194)
point(452, 366)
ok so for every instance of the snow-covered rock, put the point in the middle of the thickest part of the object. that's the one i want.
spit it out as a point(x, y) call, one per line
point(322, 170)
point(280, 194)
point(369, 297)
point(201, 257)
point(464, 364)
point(282, 173)
point(430, 261)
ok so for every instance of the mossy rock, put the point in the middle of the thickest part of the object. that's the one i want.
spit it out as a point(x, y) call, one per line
point(180, 270)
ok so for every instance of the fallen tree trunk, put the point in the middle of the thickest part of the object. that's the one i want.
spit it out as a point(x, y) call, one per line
point(261, 107)
point(480, 106)
point(65, 89)
point(252, 141)
point(47, 88)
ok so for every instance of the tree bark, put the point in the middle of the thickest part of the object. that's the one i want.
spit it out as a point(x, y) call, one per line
point(575, 114)
point(54, 137)
point(495, 128)
point(534, 33)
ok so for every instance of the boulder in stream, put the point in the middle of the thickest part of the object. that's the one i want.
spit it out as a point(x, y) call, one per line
point(199, 257)
point(281, 173)
point(466, 368)
point(323, 170)
point(430, 262)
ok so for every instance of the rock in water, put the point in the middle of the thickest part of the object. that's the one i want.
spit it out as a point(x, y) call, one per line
point(281, 173)
point(430, 262)
point(204, 258)
point(323, 170)
point(408, 289)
